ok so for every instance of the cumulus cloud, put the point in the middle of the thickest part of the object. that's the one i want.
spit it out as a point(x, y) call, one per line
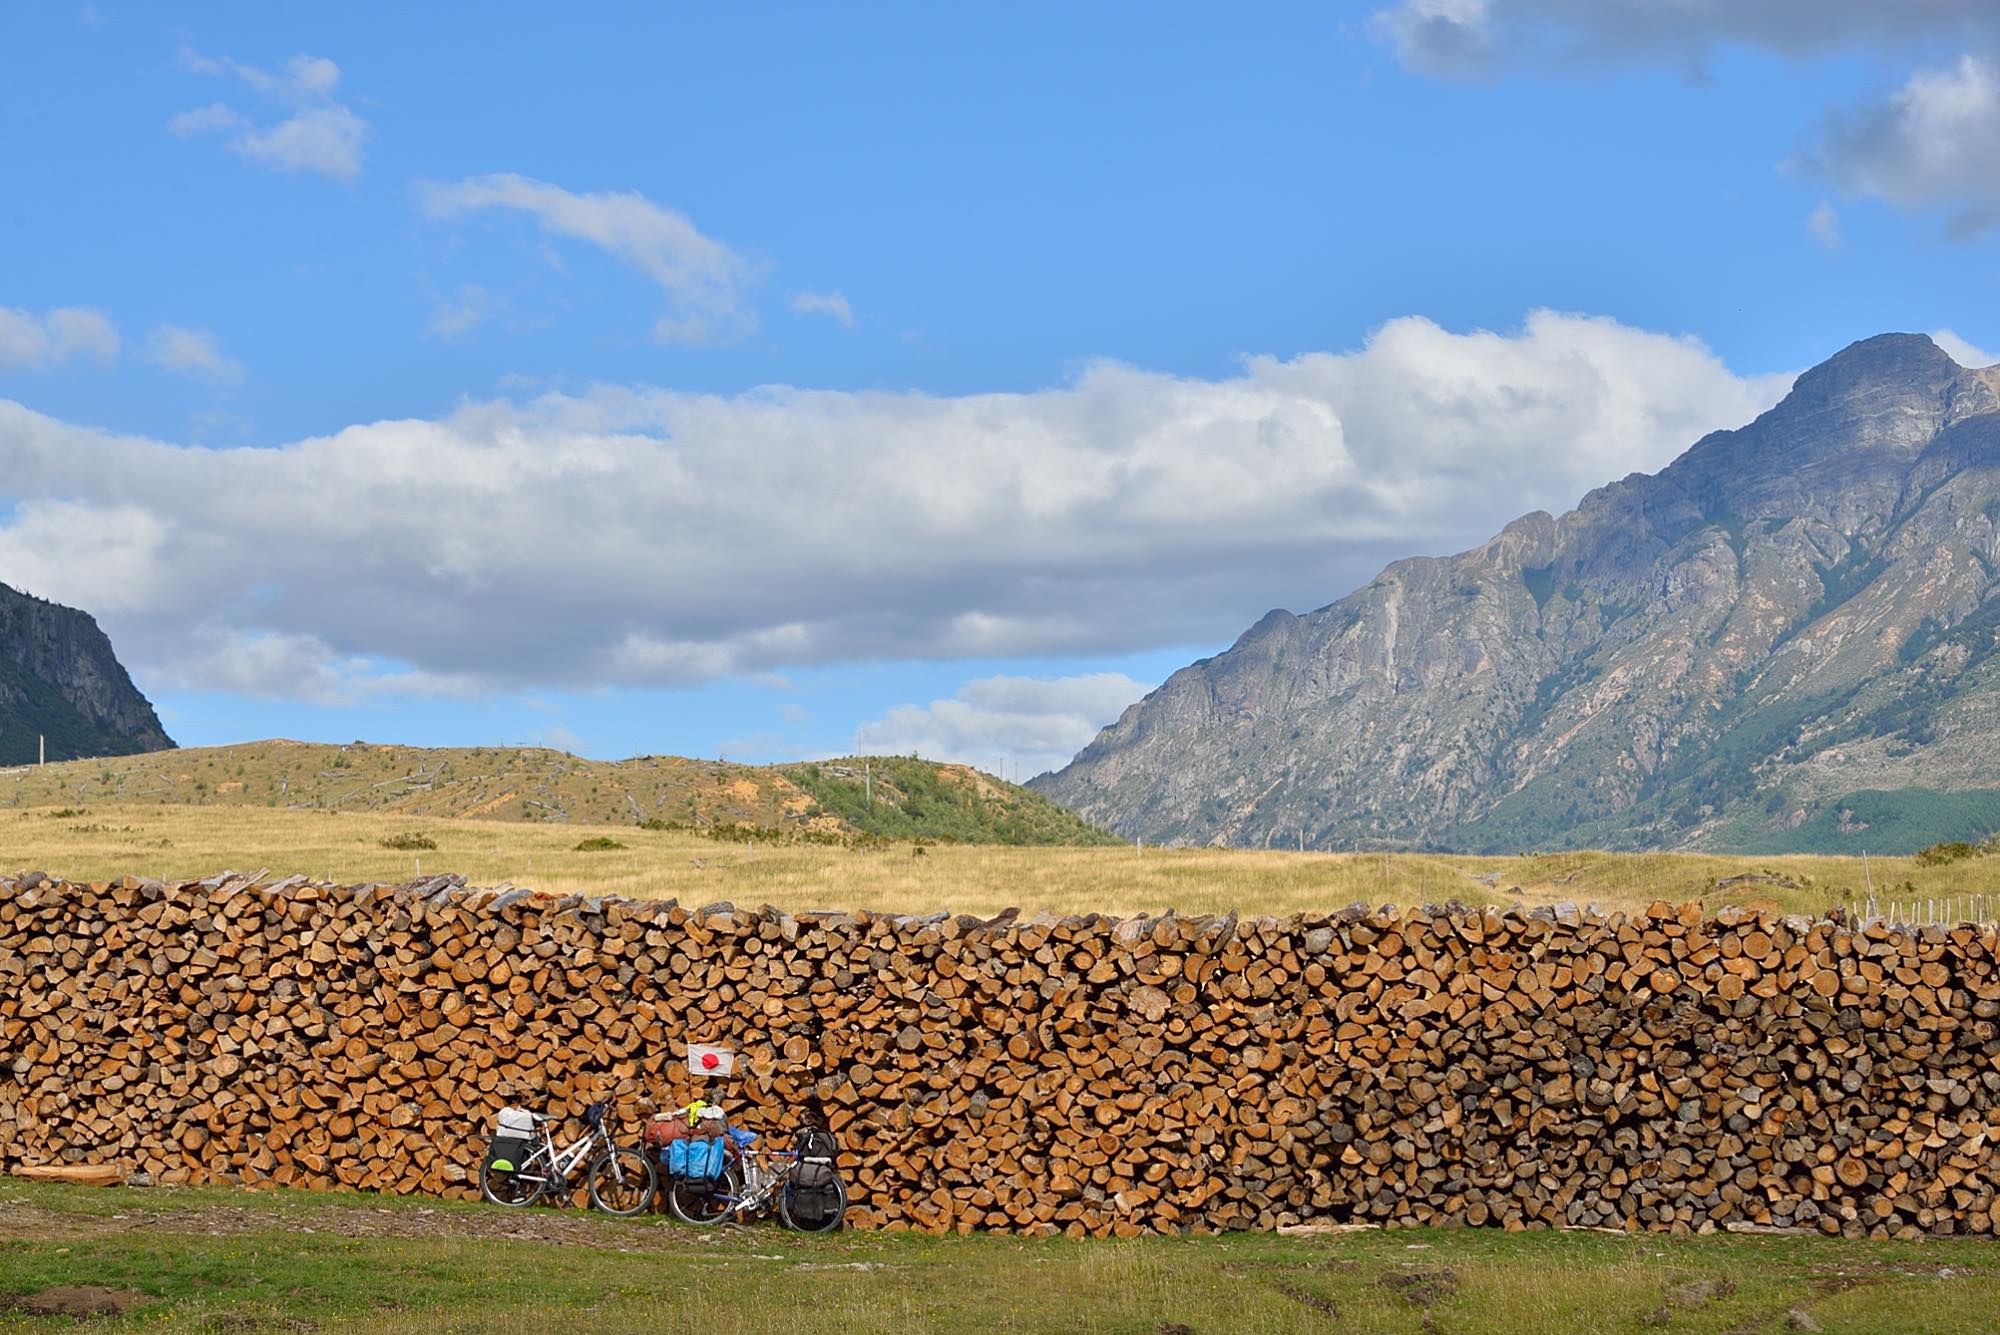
point(276, 665)
point(1027, 724)
point(833, 304)
point(1963, 352)
point(124, 574)
point(191, 352)
point(1824, 224)
point(1478, 38)
point(316, 133)
point(706, 284)
point(30, 342)
point(639, 536)
point(1933, 143)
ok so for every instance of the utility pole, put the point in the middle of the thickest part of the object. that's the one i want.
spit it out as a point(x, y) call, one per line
point(868, 781)
point(42, 749)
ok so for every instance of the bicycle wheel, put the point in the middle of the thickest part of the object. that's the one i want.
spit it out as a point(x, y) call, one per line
point(513, 1187)
point(831, 1222)
point(622, 1181)
point(705, 1202)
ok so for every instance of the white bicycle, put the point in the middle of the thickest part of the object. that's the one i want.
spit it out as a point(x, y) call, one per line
point(620, 1178)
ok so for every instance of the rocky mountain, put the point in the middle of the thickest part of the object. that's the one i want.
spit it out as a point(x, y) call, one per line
point(1788, 638)
point(59, 680)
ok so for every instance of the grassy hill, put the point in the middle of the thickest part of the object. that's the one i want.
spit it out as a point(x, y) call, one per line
point(899, 797)
point(892, 797)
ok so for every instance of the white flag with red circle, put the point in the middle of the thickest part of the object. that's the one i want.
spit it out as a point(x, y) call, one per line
point(708, 1059)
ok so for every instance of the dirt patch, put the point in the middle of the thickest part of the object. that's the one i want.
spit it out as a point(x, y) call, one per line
point(157, 1211)
point(1421, 1288)
point(1832, 1284)
point(1305, 1297)
point(493, 805)
point(76, 1300)
point(1690, 1296)
point(1700, 1292)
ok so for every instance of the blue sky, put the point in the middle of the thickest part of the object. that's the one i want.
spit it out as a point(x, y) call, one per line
point(771, 382)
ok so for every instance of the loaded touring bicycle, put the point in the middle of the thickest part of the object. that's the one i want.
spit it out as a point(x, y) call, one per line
point(714, 1171)
point(523, 1164)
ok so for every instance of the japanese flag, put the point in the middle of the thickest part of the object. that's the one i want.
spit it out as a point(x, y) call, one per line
point(708, 1059)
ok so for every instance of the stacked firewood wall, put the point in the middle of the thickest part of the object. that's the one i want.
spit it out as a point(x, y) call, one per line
point(1087, 1075)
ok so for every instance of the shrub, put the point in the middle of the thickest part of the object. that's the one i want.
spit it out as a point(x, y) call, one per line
point(599, 844)
point(1937, 855)
point(410, 843)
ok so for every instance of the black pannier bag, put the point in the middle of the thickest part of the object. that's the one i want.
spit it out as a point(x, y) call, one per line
point(513, 1141)
point(814, 1191)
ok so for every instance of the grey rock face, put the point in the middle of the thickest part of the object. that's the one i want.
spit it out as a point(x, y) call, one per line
point(59, 679)
point(1797, 610)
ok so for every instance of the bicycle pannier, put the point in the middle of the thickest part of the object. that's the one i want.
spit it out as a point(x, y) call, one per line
point(814, 1193)
point(663, 1131)
point(513, 1140)
point(694, 1159)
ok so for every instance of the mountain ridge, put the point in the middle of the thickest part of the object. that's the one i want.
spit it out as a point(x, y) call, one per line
point(1704, 655)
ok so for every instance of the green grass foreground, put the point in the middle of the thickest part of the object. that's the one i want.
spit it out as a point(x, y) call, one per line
point(216, 1259)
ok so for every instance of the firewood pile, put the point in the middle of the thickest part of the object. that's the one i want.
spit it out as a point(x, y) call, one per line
point(1085, 1075)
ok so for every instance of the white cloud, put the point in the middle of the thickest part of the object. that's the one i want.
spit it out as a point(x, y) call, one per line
point(1964, 353)
point(321, 134)
point(461, 313)
point(191, 352)
point(705, 282)
point(24, 342)
point(289, 665)
point(637, 536)
point(1934, 143)
point(326, 140)
point(211, 119)
point(259, 664)
point(29, 342)
point(833, 304)
point(1478, 38)
point(1028, 724)
point(1824, 224)
point(123, 574)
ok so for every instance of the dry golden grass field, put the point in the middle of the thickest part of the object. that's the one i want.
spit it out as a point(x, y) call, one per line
point(101, 840)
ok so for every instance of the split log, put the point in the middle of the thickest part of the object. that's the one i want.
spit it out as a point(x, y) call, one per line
point(82, 1174)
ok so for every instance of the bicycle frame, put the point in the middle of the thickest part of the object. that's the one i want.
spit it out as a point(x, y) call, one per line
point(558, 1164)
point(762, 1178)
